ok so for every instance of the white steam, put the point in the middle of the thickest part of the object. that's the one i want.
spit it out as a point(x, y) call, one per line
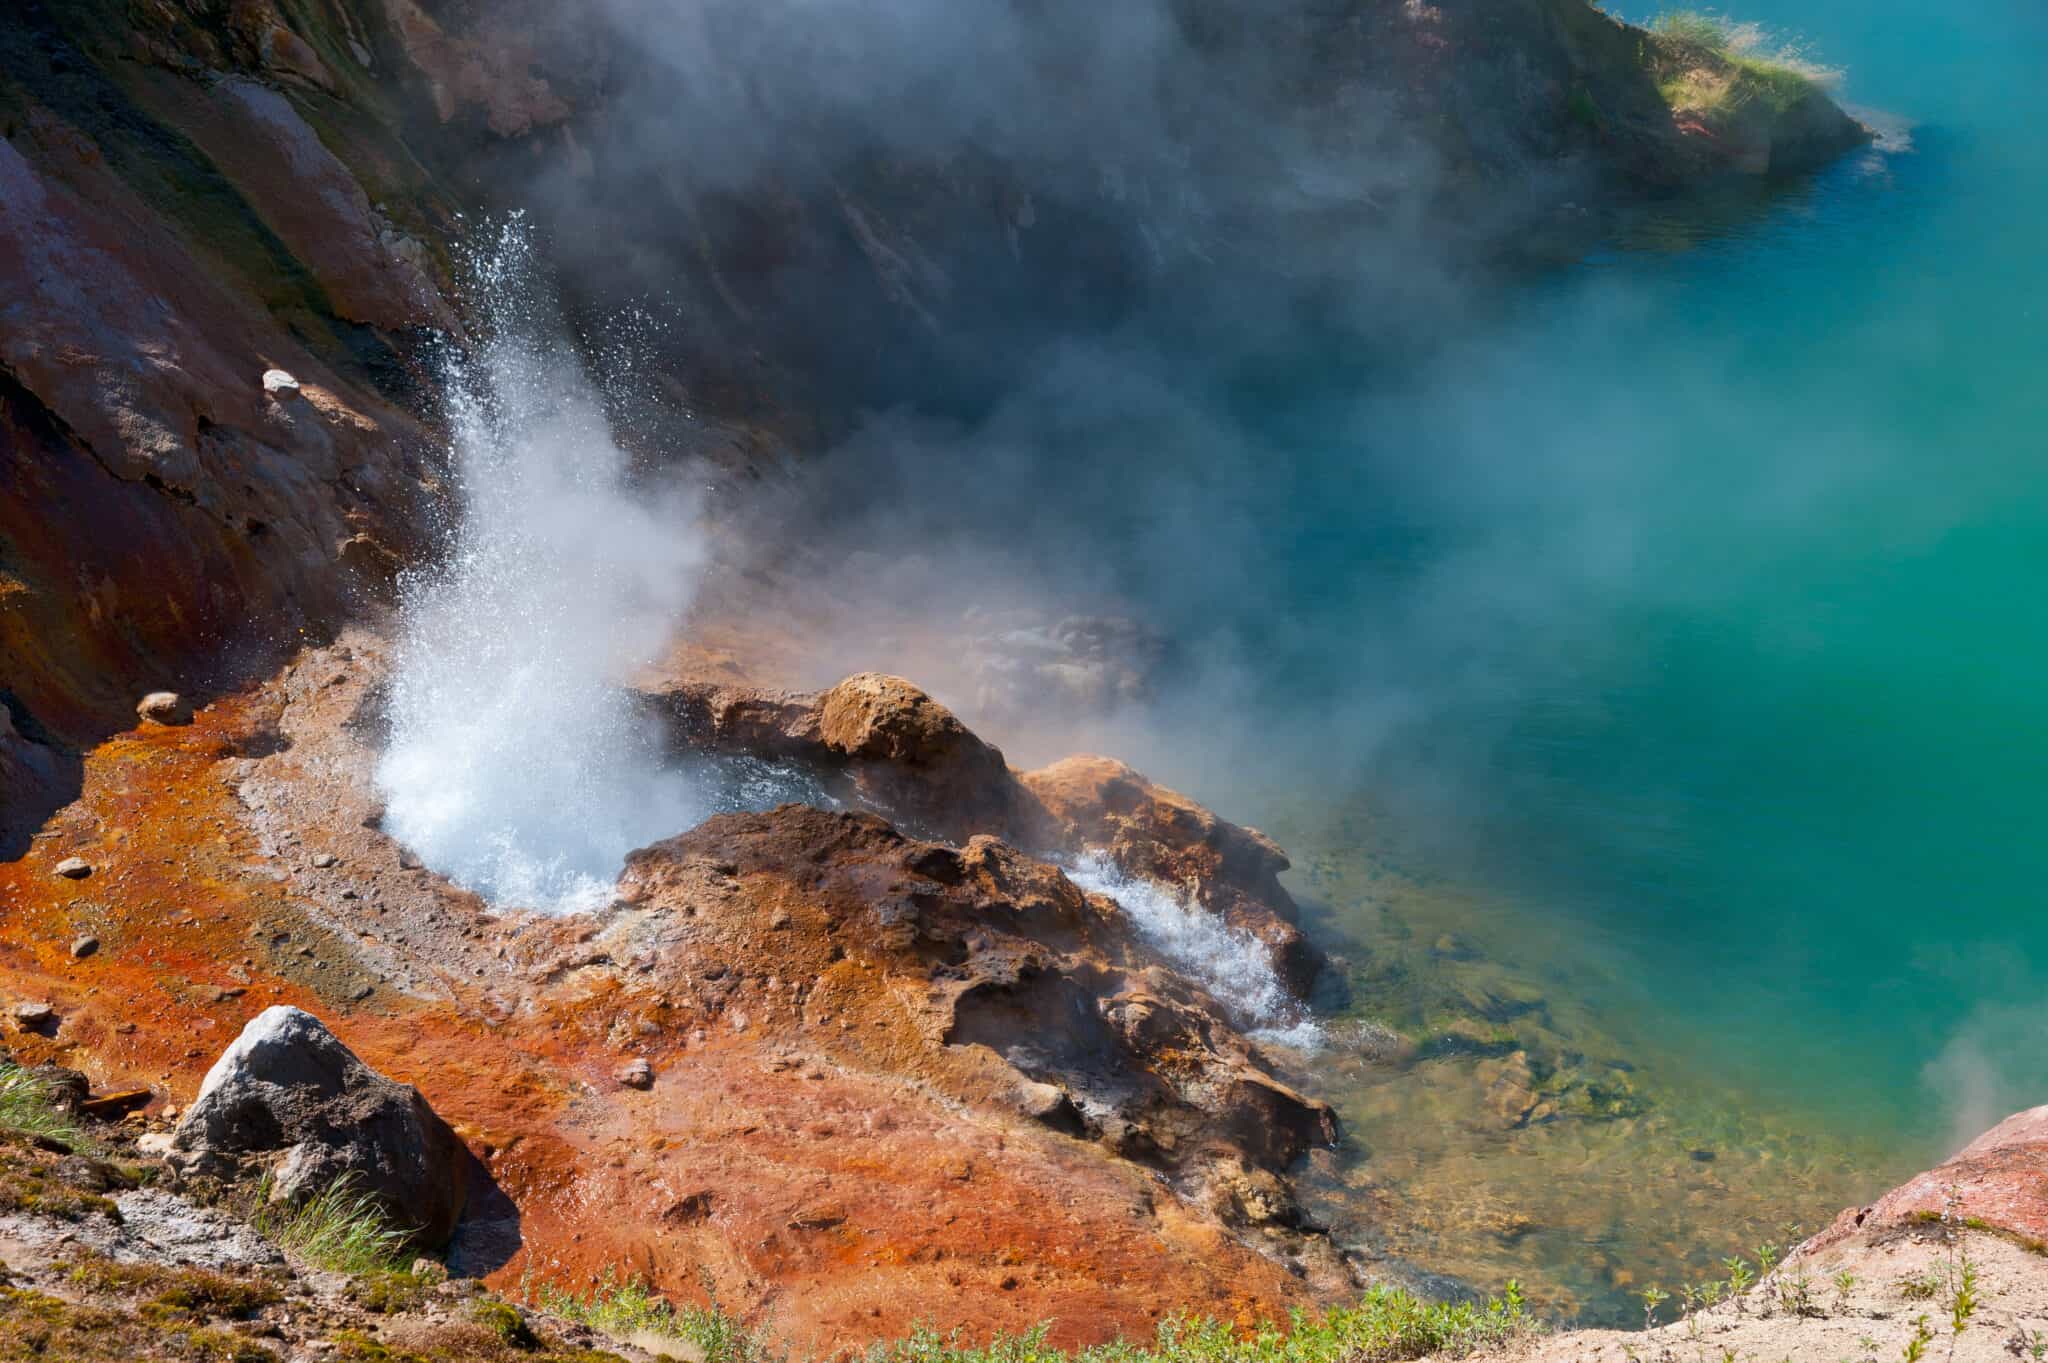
point(517, 766)
point(1231, 964)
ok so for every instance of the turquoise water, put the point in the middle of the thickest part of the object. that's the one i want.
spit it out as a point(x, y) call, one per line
point(1654, 669)
point(1749, 525)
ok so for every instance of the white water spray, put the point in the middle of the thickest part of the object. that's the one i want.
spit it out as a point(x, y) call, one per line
point(517, 765)
point(1231, 964)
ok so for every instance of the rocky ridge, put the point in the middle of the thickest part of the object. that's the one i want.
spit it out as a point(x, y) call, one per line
point(790, 1025)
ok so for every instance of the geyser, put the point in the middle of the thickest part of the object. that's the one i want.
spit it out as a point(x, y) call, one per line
point(517, 765)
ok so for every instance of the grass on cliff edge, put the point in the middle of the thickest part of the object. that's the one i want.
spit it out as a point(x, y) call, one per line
point(1387, 1325)
point(1711, 64)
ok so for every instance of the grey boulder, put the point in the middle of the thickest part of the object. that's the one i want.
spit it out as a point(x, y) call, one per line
point(288, 1097)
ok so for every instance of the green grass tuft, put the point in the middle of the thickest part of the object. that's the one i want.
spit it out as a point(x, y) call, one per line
point(629, 1310)
point(27, 1109)
point(1711, 65)
point(340, 1228)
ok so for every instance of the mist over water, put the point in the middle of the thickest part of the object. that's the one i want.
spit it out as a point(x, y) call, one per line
point(517, 765)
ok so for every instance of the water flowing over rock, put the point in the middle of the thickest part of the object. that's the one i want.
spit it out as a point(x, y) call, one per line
point(289, 1096)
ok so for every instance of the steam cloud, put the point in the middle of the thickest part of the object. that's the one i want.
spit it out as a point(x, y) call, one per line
point(517, 765)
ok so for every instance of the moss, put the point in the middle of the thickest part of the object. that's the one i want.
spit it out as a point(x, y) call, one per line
point(468, 1342)
point(178, 1293)
point(30, 1185)
point(46, 1329)
point(503, 1320)
point(388, 1293)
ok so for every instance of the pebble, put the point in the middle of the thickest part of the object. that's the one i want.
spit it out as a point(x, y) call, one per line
point(85, 946)
point(325, 860)
point(164, 707)
point(229, 994)
point(635, 1074)
point(73, 868)
point(280, 384)
point(33, 1014)
point(362, 992)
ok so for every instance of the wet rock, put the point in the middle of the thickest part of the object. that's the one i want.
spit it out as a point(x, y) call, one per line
point(85, 946)
point(1161, 835)
point(73, 868)
point(635, 1074)
point(289, 1095)
point(164, 707)
point(279, 384)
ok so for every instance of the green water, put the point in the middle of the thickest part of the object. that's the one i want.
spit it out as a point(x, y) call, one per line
point(1679, 640)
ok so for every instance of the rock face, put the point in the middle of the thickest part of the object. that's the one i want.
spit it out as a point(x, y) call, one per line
point(880, 742)
point(1020, 990)
point(1999, 1180)
point(288, 1095)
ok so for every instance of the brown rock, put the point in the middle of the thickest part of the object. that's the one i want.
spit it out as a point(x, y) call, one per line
point(635, 1074)
point(2000, 1179)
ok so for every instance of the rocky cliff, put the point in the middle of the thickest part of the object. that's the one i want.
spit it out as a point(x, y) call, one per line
point(229, 244)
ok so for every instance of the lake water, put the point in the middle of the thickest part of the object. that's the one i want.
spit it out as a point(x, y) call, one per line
point(1652, 691)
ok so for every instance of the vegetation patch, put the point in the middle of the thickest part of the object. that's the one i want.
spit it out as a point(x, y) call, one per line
point(341, 1228)
point(1708, 66)
point(28, 1110)
point(630, 1311)
point(39, 1327)
point(33, 1183)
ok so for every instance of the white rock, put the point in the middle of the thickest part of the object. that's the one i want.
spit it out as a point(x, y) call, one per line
point(280, 384)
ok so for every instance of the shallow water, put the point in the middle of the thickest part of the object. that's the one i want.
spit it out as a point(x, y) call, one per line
point(1650, 686)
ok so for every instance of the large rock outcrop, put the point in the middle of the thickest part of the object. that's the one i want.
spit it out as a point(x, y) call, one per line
point(881, 743)
point(289, 1096)
point(1025, 990)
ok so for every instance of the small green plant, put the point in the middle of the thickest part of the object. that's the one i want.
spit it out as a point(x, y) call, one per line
point(1653, 1297)
point(28, 1108)
point(1916, 1347)
point(630, 1310)
point(1923, 1286)
point(1739, 1276)
point(1767, 1257)
point(1844, 1281)
point(339, 1228)
point(1963, 1300)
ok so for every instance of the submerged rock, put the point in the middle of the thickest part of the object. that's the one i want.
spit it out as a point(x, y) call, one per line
point(289, 1096)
